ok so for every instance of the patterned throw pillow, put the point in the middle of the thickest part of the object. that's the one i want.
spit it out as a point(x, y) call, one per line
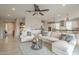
point(65, 37)
point(68, 38)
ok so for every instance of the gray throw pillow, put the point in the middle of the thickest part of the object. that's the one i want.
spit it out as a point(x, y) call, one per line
point(29, 33)
point(44, 33)
point(62, 37)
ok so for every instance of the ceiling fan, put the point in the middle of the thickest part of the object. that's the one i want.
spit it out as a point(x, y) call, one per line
point(37, 10)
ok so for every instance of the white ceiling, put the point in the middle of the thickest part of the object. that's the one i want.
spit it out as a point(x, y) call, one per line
point(54, 10)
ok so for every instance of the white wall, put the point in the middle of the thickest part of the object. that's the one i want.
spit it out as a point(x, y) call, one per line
point(33, 22)
point(17, 28)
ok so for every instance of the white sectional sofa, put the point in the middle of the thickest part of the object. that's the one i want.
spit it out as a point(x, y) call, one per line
point(62, 47)
point(28, 35)
point(25, 37)
point(49, 36)
point(59, 46)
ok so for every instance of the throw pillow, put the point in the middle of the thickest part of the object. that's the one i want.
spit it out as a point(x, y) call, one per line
point(62, 37)
point(65, 37)
point(29, 33)
point(68, 38)
point(44, 33)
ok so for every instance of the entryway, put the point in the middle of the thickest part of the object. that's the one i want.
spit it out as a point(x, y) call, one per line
point(9, 28)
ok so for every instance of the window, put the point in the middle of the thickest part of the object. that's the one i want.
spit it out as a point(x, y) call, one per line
point(69, 25)
point(57, 25)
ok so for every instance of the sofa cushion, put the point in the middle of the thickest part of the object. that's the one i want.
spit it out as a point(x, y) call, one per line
point(46, 33)
point(56, 34)
point(53, 39)
point(61, 44)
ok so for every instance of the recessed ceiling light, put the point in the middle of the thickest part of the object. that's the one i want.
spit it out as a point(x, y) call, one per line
point(8, 14)
point(13, 9)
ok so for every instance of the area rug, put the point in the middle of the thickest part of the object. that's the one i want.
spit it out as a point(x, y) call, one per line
point(27, 50)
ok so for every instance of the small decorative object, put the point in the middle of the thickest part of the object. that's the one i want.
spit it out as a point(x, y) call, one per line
point(36, 43)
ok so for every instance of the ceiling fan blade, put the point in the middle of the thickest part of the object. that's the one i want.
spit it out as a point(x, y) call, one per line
point(29, 11)
point(41, 14)
point(34, 14)
point(44, 10)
